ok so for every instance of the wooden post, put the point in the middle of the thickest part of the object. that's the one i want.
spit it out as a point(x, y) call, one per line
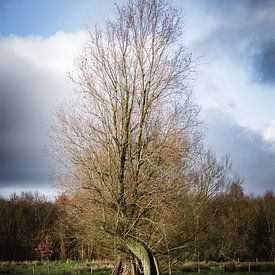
point(33, 270)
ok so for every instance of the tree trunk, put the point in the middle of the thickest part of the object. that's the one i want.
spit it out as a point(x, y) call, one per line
point(118, 268)
point(62, 249)
point(144, 255)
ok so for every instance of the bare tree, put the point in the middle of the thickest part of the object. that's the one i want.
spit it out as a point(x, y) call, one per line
point(131, 142)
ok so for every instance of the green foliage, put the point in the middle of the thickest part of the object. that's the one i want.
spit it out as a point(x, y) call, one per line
point(53, 268)
point(84, 268)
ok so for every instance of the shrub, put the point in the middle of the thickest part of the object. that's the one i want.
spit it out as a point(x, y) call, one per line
point(204, 266)
point(5, 269)
point(262, 267)
point(80, 270)
point(189, 268)
point(230, 267)
point(244, 266)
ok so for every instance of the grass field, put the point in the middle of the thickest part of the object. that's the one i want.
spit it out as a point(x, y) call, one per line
point(35, 267)
point(255, 268)
point(103, 268)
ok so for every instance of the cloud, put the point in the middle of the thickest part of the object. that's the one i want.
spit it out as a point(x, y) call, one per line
point(32, 83)
point(235, 81)
point(235, 72)
point(269, 134)
point(251, 155)
point(241, 30)
point(234, 39)
point(265, 63)
point(50, 192)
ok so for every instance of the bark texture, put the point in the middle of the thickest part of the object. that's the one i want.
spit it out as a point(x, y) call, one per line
point(144, 255)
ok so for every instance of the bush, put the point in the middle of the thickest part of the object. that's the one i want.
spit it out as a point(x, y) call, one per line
point(5, 269)
point(230, 267)
point(80, 270)
point(262, 267)
point(189, 268)
point(102, 271)
point(204, 266)
point(244, 266)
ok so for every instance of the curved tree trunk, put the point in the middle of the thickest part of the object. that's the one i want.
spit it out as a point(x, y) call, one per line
point(144, 255)
point(129, 267)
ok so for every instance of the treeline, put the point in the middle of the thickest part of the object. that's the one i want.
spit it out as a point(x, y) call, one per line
point(27, 220)
point(243, 227)
point(239, 227)
point(23, 222)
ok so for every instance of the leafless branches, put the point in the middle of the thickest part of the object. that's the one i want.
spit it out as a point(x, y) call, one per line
point(132, 139)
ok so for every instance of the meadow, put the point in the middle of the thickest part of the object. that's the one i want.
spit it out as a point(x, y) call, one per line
point(104, 268)
point(213, 268)
point(54, 268)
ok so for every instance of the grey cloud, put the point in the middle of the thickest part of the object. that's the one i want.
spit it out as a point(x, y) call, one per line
point(23, 104)
point(251, 156)
point(244, 31)
point(249, 4)
point(265, 63)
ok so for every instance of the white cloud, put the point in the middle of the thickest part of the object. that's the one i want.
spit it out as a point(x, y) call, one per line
point(55, 53)
point(229, 37)
point(41, 65)
point(50, 192)
point(226, 85)
point(269, 134)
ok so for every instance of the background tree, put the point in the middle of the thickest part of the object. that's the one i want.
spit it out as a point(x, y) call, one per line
point(268, 206)
point(23, 220)
point(228, 234)
point(46, 247)
point(227, 226)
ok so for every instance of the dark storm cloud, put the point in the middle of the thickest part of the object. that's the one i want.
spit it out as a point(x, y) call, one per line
point(252, 158)
point(265, 63)
point(245, 31)
point(21, 158)
point(32, 83)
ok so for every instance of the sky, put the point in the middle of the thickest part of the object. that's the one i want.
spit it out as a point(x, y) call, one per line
point(233, 43)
